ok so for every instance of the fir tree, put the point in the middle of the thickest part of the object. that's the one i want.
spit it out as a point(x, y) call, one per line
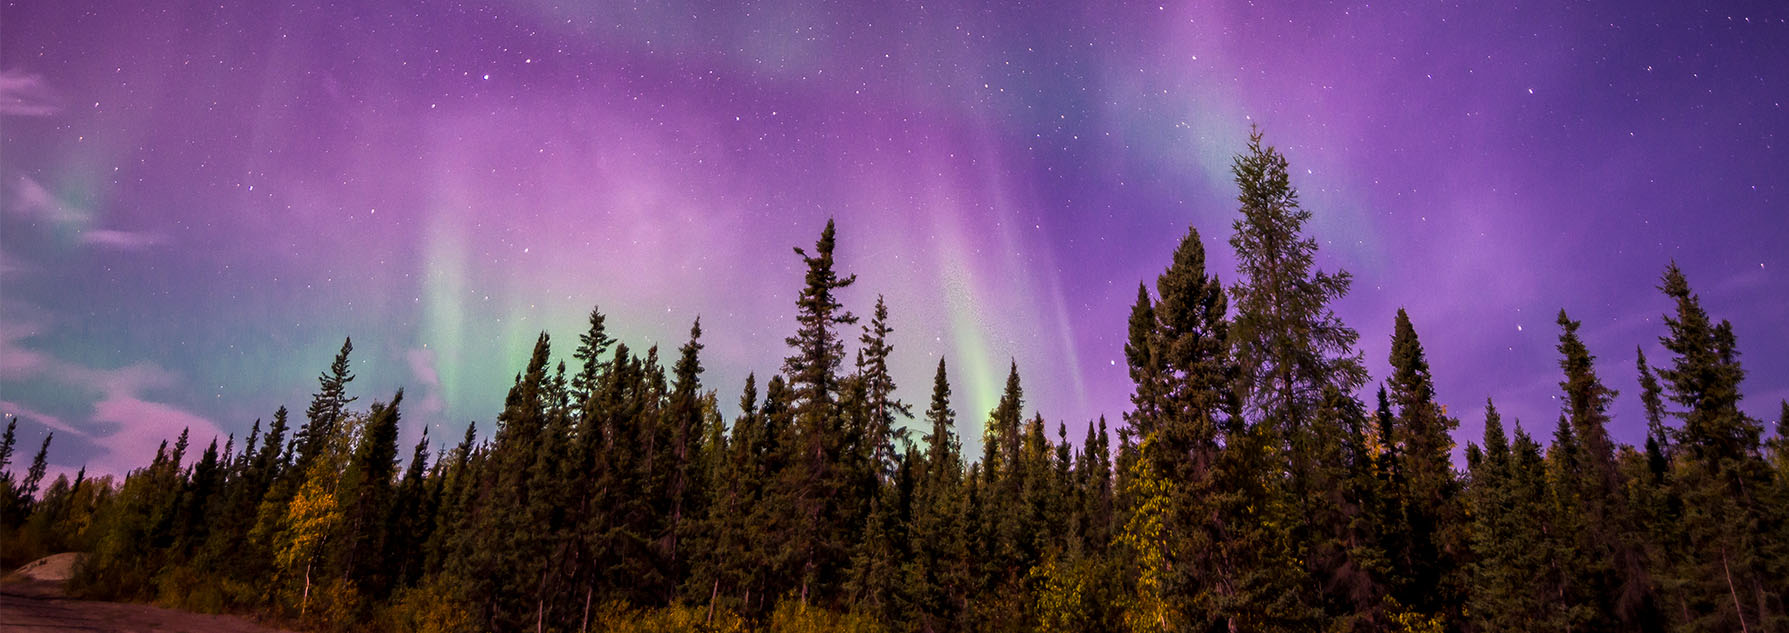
point(1431, 565)
point(327, 407)
point(818, 478)
point(365, 494)
point(885, 410)
point(593, 345)
point(1729, 518)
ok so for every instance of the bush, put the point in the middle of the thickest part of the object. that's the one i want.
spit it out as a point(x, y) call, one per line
point(428, 608)
point(791, 617)
point(621, 618)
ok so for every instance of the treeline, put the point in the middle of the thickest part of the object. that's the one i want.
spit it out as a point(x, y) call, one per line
point(1250, 488)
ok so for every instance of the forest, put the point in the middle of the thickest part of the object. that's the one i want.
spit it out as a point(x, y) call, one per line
point(1257, 483)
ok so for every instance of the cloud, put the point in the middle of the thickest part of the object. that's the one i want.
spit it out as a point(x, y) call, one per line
point(141, 426)
point(8, 265)
point(27, 413)
point(16, 361)
point(126, 423)
point(422, 367)
point(33, 201)
point(23, 94)
point(121, 240)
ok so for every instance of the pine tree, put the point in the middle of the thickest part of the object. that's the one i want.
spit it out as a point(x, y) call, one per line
point(1290, 349)
point(412, 518)
point(7, 493)
point(937, 576)
point(1658, 437)
point(1728, 516)
point(817, 478)
point(1184, 398)
point(327, 407)
point(684, 430)
point(365, 493)
point(1508, 528)
point(879, 386)
point(1618, 573)
point(1432, 563)
point(503, 573)
point(1288, 341)
point(1002, 530)
point(22, 501)
point(593, 345)
point(192, 523)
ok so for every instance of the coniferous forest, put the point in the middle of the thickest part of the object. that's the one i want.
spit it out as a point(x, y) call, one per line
point(1258, 483)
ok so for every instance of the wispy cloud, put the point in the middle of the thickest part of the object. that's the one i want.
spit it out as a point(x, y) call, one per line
point(140, 424)
point(422, 367)
point(16, 361)
point(31, 200)
point(121, 240)
point(24, 94)
point(126, 421)
point(8, 265)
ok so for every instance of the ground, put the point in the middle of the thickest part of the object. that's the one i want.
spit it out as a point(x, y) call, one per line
point(39, 606)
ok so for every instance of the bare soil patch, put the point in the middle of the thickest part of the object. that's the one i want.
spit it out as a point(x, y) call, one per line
point(39, 606)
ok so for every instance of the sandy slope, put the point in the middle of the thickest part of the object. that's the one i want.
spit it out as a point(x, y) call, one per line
point(53, 568)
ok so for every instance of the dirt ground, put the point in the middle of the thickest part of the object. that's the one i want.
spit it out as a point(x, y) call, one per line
point(35, 606)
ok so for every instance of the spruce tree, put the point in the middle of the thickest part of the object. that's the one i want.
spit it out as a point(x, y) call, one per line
point(818, 479)
point(938, 575)
point(1658, 436)
point(1288, 342)
point(327, 407)
point(1431, 565)
point(885, 410)
point(365, 494)
point(593, 346)
point(1729, 518)
point(1290, 349)
point(1618, 571)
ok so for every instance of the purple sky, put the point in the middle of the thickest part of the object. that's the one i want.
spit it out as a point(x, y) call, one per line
point(201, 201)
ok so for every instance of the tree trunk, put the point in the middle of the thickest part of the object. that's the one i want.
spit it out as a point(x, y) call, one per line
point(586, 625)
point(305, 602)
point(711, 596)
point(1737, 610)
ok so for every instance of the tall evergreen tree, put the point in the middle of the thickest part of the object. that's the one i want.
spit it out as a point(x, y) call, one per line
point(1619, 567)
point(885, 410)
point(365, 494)
point(327, 407)
point(1288, 342)
point(1729, 518)
point(593, 345)
point(1431, 566)
point(938, 575)
point(818, 478)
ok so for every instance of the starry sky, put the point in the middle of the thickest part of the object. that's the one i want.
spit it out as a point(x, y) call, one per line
point(202, 199)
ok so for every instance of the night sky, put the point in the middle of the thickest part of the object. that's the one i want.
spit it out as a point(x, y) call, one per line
point(200, 202)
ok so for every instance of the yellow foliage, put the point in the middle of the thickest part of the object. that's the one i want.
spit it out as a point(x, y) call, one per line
point(188, 590)
point(430, 608)
point(334, 606)
point(1146, 536)
point(620, 618)
point(790, 617)
point(1403, 620)
point(1062, 597)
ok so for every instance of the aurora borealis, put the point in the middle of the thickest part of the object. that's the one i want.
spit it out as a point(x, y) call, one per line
point(201, 201)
